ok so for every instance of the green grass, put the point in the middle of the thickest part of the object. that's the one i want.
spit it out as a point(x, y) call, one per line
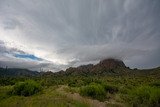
point(145, 96)
point(4, 92)
point(48, 98)
point(119, 91)
point(95, 91)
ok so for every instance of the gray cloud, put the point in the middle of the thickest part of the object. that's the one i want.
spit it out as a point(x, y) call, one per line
point(74, 32)
point(7, 58)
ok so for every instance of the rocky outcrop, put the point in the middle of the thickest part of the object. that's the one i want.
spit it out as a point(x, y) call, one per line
point(111, 63)
point(106, 66)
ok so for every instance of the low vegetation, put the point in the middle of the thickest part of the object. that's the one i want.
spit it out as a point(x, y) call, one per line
point(113, 91)
point(110, 88)
point(96, 91)
point(26, 88)
point(145, 96)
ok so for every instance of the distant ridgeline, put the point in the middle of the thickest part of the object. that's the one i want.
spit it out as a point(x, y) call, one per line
point(110, 67)
point(13, 72)
point(104, 67)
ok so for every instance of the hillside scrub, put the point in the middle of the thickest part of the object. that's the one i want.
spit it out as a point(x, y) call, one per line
point(95, 91)
point(110, 88)
point(119, 91)
point(26, 88)
point(145, 96)
point(155, 84)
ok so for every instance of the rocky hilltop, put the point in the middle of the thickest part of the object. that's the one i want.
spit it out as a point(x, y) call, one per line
point(111, 63)
point(107, 66)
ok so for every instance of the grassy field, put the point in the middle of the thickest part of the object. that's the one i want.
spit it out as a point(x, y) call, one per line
point(49, 97)
point(81, 91)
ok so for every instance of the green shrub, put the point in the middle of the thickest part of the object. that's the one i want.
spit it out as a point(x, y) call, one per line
point(123, 90)
point(96, 91)
point(155, 84)
point(75, 83)
point(26, 88)
point(110, 88)
point(145, 96)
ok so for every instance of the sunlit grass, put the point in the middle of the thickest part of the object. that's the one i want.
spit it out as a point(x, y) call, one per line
point(48, 98)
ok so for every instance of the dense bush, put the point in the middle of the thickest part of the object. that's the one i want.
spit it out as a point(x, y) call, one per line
point(145, 96)
point(75, 83)
point(26, 88)
point(4, 81)
point(155, 84)
point(110, 88)
point(96, 91)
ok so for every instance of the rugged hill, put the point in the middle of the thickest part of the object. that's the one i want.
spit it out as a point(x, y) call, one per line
point(107, 66)
point(13, 72)
point(111, 67)
point(111, 63)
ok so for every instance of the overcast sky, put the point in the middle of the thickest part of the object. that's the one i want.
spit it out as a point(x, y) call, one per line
point(56, 34)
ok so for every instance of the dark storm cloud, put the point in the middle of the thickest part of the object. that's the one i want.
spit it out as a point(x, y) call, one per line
point(74, 32)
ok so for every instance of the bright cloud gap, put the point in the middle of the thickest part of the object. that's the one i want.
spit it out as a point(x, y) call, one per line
point(28, 56)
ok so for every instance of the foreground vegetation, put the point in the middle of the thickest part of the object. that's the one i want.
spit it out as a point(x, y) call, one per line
point(78, 91)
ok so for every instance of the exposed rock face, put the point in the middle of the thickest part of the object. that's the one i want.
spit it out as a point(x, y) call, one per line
point(111, 63)
point(108, 66)
point(84, 69)
point(103, 67)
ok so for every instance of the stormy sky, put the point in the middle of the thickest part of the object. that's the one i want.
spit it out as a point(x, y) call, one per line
point(56, 34)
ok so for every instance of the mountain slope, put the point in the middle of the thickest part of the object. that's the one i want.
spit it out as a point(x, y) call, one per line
point(12, 72)
point(110, 67)
point(104, 67)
